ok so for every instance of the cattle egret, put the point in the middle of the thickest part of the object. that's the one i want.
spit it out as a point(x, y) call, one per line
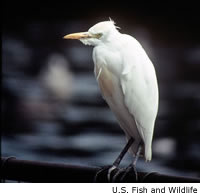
point(128, 83)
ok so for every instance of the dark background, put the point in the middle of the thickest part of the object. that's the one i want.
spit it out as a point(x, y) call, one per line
point(76, 126)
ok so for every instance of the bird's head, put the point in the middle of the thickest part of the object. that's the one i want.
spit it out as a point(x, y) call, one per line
point(97, 34)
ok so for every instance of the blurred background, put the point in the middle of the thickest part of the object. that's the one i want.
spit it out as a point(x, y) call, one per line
point(52, 109)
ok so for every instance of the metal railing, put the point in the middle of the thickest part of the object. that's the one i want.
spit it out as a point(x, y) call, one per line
point(34, 171)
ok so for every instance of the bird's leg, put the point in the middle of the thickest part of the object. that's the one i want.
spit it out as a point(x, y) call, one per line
point(123, 152)
point(132, 166)
point(120, 157)
point(116, 162)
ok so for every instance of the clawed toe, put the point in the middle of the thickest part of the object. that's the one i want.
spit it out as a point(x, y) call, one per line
point(105, 174)
point(117, 176)
point(113, 174)
point(110, 171)
point(129, 174)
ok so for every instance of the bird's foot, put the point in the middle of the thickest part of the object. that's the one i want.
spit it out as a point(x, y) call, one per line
point(117, 176)
point(126, 175)
point(111, 169)
point(105, 174)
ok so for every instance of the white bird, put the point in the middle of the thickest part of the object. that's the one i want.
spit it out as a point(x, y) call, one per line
point(128, 83)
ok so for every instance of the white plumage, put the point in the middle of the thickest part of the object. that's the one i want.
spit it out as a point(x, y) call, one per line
point(127, 80)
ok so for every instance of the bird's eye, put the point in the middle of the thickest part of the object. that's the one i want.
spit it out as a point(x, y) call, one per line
point(98, 35)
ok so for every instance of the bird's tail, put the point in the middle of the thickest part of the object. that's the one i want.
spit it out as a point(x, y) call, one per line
point(148, 152)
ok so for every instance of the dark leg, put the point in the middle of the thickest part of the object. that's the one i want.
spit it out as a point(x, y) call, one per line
point(137, 155)
point(123, 152)
point(120, 157)
point(132, 166)
point(116, 162)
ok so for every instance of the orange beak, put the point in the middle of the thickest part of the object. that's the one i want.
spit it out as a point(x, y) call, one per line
point(77, 36)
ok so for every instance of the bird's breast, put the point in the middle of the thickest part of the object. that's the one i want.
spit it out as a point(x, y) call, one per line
point(109, 59)
point(112, 92)
point(107, 81)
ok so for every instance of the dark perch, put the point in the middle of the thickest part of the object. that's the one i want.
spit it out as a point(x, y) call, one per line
point(33, 171)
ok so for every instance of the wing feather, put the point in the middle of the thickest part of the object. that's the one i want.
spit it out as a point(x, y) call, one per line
point(139, 86)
